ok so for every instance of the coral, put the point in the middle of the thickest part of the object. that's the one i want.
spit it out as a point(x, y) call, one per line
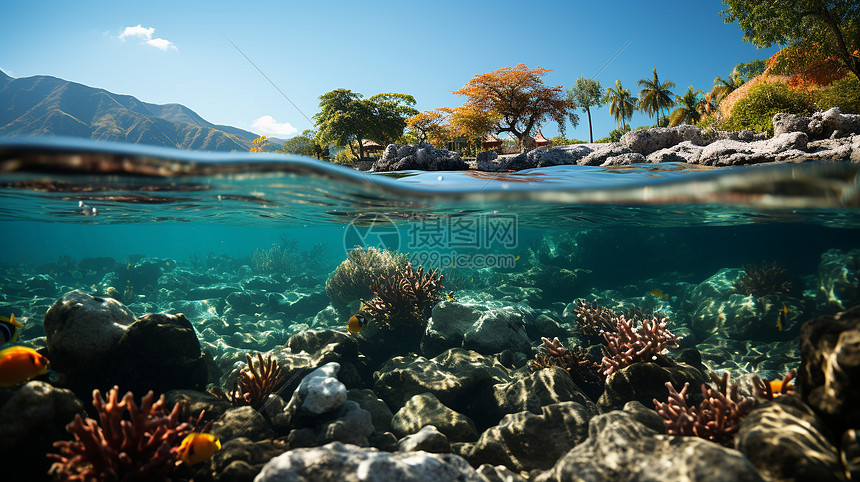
point(574, 361)
point(285, 258)
point(716, 418)
point(405, 298)
point(592, 321)
point(631, 343)
point(256, 382)
point(139, 445)
point(352, 279)
point(768, 390)
point(764, 279)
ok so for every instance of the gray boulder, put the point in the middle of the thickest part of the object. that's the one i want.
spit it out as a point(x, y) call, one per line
point(821, 125)
point(624, 159)
point(506, 162)
point(787, 146)
point(348, 463)
point(320, 391)
point(425, 409)
point(839, 278)
point(602, 152)
point(646, 141)
point(682, 152)
point(563, 155)
point(422, 157)
point(428, 439)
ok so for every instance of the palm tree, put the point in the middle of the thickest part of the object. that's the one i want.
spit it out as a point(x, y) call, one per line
point(655, 96)
point(706, 105)
point(724, 87)
point(621, 102)
point(687, 113)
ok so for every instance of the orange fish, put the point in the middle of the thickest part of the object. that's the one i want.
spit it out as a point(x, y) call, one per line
point(20, 363)
point(197, 447)
point(356, 323)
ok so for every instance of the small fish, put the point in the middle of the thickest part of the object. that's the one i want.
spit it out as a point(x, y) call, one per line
point(20, 363)
point(517, 258)
point(781, 318)
point(356, 323)
point(658, 293)
point(450, 296)
point(197, 447)
point(9, 329)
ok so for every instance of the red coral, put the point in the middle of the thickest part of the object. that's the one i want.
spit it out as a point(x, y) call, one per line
point(716, 418)
point(141, 446)
point(631, 344)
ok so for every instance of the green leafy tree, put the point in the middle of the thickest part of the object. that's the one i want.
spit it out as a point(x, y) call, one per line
point(305, 145)
point(655, 96)
point(819, 28)
point(585, 94)
point(346, 119)
point(688, 112)
point(751, 70)
point(621, 102)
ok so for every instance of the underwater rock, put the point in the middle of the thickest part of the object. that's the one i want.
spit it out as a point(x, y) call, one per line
point(498, 473)
point(242, 421)
point(620, 448)
point(32, 417)
point(530, 393)
point(380, 414)
point(348, 463)
point(348, 424)
point(830, 368)
point(320, 391)
point(643, 382)
point(646, 141)
point(839, 278)
point(526, 441)
point(200, 311)
point(158, 352)
point(428, 439)
point(218, 291)
point(456, 377)
point(241, 459)
point(81, 330)
point(425, 409)
point(448, 322)
point(785, 440)
point(198, 401)
point(40, 285)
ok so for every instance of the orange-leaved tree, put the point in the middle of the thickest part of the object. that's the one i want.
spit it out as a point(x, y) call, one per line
point(517, 99)
point(432, 126)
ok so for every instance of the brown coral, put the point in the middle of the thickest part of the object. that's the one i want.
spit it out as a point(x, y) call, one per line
point(632, 343)
point(405, 298)
point(138, 446)
point(716, 418)
point(354, 277)
point(592, 321)
point(764, 279)
point(256, 382)
point(768, 390)
point(574, 361)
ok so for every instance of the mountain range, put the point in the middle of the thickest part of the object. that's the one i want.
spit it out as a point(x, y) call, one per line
point(48, 106)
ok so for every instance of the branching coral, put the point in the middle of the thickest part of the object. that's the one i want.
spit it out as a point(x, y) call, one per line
point(631, 343)
point(768, 390)
point(764, 279)
point(256, 382)
point(573, 360)
point(139, 445)
point(716, 418)
point(405, 298)
point(592, 321)
point(285, 257)
point(353, 278)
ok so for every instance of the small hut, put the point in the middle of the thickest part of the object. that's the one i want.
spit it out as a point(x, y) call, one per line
point(371, 146)
point(541, 141)
point(490, 142)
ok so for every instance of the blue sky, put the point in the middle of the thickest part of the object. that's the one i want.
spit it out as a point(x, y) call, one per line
point(178, 52)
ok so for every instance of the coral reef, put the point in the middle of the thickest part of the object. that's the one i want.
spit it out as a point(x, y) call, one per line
point(592, 321)
point(573, 361)
point(717, 418)
point(768, 390)
point(352, 279)
point(631, 343)
point(763, 279)
point(405, 298)
point(256, 382)
point(285, 257)
point(139, 445)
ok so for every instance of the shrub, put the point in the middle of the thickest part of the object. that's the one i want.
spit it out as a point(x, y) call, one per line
point(844, 93)
point(343, 157)
point(756, 110)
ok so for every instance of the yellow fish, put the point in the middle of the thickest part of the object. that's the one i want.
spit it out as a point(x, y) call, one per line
point(450, 296)
point(658, 293)
point(9, 329)
point(356, 323)
point(20, 363)
point(781, 318)
point(197, 447)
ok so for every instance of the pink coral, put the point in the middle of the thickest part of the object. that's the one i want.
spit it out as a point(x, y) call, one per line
point(141, 446)
point(631, 343)
point(716, 418)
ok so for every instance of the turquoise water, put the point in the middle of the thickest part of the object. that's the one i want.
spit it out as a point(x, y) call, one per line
point(499, 238)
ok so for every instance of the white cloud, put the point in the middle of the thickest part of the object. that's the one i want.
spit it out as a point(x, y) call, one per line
point(145, 34)
point(269, 126)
